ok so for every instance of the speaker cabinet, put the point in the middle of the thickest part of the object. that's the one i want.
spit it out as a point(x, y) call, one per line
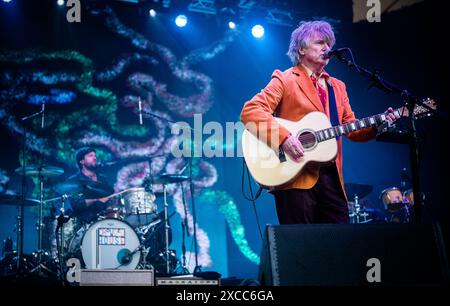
point(354, 255)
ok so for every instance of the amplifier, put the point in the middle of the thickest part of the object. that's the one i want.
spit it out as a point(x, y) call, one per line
point(99, 277)
point(185, 280)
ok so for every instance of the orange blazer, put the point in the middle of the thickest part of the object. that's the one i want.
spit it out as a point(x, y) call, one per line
point(291, 95)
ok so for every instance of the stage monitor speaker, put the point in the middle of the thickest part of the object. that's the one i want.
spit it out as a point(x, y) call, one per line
point(354, 255)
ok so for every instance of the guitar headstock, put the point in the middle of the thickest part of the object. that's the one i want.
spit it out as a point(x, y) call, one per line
point(419, 110)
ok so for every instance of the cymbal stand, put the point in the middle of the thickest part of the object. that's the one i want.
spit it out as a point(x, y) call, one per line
point(360, 216)
point(184, 231)
point(357, 207)
point(21, 216)
point(40, 226)
point(61, 220)
point(197, 268)
point(40, 222)
point(166, 229)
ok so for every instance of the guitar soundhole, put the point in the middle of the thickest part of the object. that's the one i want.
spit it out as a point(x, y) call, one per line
point(308, 139)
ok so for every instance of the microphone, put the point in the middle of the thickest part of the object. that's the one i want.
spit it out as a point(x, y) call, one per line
point(330, 53)
point(125, 260)
point(106, 164)
point(125, 256)
point(43, 115)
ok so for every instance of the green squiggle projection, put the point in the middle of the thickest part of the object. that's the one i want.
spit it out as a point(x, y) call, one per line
point(227, 206)
point(106, 112)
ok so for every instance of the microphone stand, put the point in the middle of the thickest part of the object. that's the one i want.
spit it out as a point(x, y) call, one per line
point(410, 102)
point(184, 230)
point(20, 218)
point(197, 268)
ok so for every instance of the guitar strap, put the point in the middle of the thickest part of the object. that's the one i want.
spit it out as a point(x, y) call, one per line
point(333, 108)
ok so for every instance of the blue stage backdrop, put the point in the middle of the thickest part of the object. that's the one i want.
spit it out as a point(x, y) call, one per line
point(96, 77)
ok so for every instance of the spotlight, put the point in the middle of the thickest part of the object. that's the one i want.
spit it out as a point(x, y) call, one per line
point(7, 1)
point(232, 25)
point(258, 31)
point(152, 13)
point(181, 20)
point(60, 2)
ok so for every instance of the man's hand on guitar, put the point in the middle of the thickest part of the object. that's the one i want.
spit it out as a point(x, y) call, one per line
point(293, 147)
point(390, 115)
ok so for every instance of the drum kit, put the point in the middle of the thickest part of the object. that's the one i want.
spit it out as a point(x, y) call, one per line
point(398, 205)
point(128, 233)
point(399, 202)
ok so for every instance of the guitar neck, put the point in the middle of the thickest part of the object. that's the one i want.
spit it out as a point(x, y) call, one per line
point(420, 110)
point(343, 129)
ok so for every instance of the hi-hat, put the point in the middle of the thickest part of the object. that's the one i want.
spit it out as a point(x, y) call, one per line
point(45, 171)
point(358, 189)
point(16, 200)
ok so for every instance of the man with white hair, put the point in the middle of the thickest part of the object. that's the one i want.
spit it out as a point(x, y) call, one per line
point(317, 194)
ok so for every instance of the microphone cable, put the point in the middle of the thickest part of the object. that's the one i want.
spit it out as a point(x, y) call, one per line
point(251, 198)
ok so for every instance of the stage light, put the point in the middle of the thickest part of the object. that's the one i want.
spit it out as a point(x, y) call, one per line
point(232, 25)
point(7, 1)
point(152, 13)
point(258, 31)
point(60, 2)
point(181, 20)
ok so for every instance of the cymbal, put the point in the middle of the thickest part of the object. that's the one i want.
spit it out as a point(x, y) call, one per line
point(90, 189)
point(7, 199)
point(361, 190)
point(45, 171)
point(68, 187)
point(168, 178)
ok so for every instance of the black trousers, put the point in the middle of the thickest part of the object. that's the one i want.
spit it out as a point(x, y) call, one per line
point(323, 203)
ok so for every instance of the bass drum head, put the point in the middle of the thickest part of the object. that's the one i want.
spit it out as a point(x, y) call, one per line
point(110, 244)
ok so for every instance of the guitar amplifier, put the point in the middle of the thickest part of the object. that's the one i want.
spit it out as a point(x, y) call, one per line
point(186, 280)
point(99, 277)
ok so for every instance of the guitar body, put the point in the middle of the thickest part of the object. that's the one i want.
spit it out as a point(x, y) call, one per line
point(270, 170)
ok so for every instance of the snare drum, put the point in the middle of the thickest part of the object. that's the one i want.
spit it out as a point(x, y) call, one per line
point(107, 244)
point(113, 213)
point(392, 199)
point(139, 206)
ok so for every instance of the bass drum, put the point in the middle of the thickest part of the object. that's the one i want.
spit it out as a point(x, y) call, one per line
point(107, 244)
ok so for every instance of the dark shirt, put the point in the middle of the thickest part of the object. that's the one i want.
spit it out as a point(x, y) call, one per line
point(80, 210)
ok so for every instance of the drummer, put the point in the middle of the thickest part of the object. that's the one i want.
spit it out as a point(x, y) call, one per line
point(93, 200)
